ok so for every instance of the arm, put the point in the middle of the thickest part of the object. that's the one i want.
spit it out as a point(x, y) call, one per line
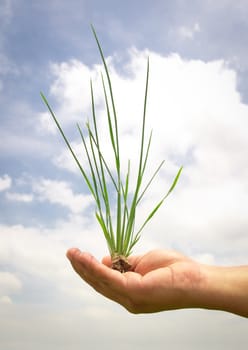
point(166, 280)
point(225, 288)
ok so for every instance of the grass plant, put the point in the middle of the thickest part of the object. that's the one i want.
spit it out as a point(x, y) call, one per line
point(116, 219)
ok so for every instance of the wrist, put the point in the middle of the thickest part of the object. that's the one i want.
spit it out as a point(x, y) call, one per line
point(222, 288)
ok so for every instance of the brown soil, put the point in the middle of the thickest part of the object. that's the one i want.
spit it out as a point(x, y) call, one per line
point(121, 264)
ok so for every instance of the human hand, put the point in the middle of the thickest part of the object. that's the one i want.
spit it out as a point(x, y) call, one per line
point(159, 280)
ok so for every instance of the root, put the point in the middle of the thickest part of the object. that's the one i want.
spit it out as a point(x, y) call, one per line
point(120, 263)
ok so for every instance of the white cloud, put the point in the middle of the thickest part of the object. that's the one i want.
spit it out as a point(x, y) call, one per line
point(9, 284)
point(188, 32)
point(65, 160)
point(5, 299)
point(205, 259)
point(5, 182)
point(60, 192)
point(19, 197)
point(39, 253)
point(199, 121)
point(71, 87)
point(46, 123)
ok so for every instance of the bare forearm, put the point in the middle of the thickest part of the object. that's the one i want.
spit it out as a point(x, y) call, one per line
point(224, 288)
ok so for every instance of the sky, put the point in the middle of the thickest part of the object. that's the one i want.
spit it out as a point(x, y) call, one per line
point(198, 111)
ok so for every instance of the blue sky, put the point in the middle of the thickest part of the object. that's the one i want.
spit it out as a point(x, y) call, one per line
point(198, 110)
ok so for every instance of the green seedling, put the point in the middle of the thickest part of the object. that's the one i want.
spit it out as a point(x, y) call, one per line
point(117, 220)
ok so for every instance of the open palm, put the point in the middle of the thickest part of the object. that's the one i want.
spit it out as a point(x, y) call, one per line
point(158, 280)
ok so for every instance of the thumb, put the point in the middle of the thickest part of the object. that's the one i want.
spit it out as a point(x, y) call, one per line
point(107, 261)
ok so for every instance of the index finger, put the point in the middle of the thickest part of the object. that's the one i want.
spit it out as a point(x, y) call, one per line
point(103, 279)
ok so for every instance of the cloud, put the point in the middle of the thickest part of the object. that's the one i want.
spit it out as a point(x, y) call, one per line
point(46, 123)
point(62, 299)
point(188, 32)
point(9, 284)
point(198, 120)
point(71, 87)
point(5, 182)
point(5, 299)
point(37, 255)
point(60, 192)
point(64, 159)
point(19, 197)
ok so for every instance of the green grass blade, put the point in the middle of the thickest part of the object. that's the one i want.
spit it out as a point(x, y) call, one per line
point(115, 142)
point(104, 161)
point(162, 201)
point(150, 181)
point(174, 182)
point(95, 184)
point(111, 132)
point(150, 215)
point(110, 89)
point(115, 146)
point(147, 153)
point(69, 146)
point(141, 165)
point(125, 210)
point(100, 172)
point(130, 224)
point(109, 239)
point(102, 180)
point(132, 244)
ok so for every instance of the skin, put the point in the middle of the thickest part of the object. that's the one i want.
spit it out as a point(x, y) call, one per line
point(165, 280)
